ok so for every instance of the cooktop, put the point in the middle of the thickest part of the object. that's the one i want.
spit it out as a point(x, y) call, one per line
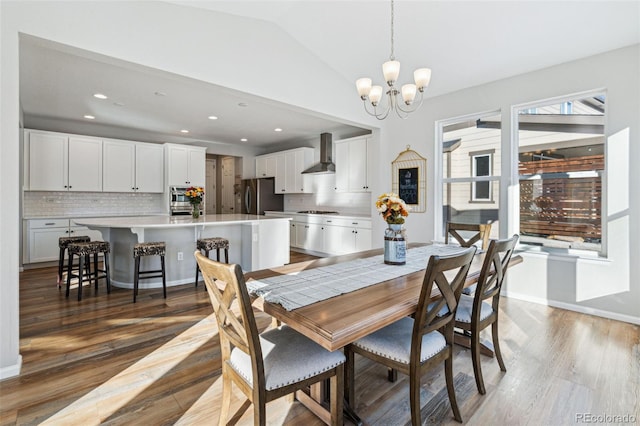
point(317, 212)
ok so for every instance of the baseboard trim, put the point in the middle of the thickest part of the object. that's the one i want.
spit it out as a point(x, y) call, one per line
point(12, 370)
point(576, 308)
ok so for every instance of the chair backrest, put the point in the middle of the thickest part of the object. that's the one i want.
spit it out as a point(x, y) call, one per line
point(449, 275)
point(492, 274)
point(481, 232)
point(225, 284)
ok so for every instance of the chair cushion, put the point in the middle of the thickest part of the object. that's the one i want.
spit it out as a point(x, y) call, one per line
point(92, 247)
point(149, 249)
point(289, 357)
point(212, 243)
point(394, 342)
point(469, 290)
point(463, 313)
point(63, 242)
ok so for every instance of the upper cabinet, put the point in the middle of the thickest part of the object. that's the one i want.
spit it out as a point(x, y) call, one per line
point(185, 165)
point(133, 166)
point(286, 167)
point(352, 159)
point(60, 162)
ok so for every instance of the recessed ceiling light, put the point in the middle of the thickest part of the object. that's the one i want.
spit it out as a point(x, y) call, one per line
point(212, 117)
point(243, 104)
point(277, 129)
point(160, 94)
point(99, 96)
point(243, 140)
point(184, 131)
point(89, 117)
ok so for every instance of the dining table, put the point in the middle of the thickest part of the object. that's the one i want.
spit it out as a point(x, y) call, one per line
point(342, 319)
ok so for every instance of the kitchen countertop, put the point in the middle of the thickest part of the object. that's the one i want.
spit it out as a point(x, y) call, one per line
point(88, 216)
point(171, 221)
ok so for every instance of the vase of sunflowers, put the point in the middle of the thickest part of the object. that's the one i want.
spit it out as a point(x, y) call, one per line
point(393, 210)
point(195, 194)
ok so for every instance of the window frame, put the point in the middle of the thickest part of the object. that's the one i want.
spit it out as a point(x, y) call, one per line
point(474, 155)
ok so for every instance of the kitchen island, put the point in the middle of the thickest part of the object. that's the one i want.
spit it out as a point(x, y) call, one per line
point(255, 242)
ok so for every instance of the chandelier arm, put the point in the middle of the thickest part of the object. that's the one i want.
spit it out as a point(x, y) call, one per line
point(375, 114)
point(410, 109)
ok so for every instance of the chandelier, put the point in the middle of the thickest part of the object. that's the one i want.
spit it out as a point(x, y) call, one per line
point(391, 69)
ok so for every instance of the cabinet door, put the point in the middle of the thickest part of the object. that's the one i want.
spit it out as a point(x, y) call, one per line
point(342, 166)
point(196, 172)
point(43, 243)
point(290, 173)
point(362, 240)
point(303, 159)
point(261, 167)
point(281, 174)
point(149, 175)
point(118, 166)
point(178, 165)
point(336, 239)
point(85, 164)
point(293, 242)
point(48, 167)
point(309, 236)
point(358, 165)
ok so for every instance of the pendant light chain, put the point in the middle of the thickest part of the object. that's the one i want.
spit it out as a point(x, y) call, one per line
point(392, 56)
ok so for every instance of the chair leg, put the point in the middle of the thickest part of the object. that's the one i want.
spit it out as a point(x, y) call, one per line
point(496, 345)
point(226, 398)
point(69, 271)
point(106, 271)
point(259, 413)
point(392, 375)
point(217, 254)
point(164, 278)
point(197, 272)
point(60, 265)
point(448, 372)
point(336, 397)
point(95, 270)
point(226, 255)
point(349, 377)
point(414, 398)
point(82, 258)
point(475, 358)
point(135, 278)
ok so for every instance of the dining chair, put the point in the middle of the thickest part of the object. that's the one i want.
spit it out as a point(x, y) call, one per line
point(475, 313)
point(264, 366)
point(481, 233)
point(413, 346)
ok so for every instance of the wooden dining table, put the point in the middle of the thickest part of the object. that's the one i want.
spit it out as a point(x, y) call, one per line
point(338, 321)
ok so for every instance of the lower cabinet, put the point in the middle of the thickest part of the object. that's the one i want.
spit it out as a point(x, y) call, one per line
point(310, 236)
point(41, 242)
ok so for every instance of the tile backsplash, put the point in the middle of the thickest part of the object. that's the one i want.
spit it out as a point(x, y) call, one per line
point(74, 204)
point(325, 197)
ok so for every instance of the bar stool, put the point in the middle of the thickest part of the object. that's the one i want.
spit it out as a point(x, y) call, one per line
point(149, 249)
point(63, 243)
point(84, 250)
point(208, 244)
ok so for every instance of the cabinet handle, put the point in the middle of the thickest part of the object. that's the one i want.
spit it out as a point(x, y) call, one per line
point(71, 232)
point(328, 221)
point(66, 232)
point(50, 223)
point(356, 231)
point(306, 226)
point(354, 223)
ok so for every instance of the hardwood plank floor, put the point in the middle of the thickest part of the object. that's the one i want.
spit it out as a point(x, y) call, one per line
point(105, 360)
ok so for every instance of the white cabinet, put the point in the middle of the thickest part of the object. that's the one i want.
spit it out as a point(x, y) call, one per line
point(344, 235)
point(60, 162)
point(41, 244)
point(352, 158)
point(266, 165)
point(286, 167)
point(132, 166)
point(185, 165)
point(310, 236)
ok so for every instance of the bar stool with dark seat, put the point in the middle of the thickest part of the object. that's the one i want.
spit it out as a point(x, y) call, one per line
point(208, 244)
point(149, 249)
point(63, 243)
point(84, 250)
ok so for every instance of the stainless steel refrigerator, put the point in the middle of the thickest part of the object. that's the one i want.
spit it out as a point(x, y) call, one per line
point(259, 195)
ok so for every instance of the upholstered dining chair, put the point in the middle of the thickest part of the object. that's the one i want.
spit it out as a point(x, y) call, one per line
point(415, 345)
point(264, 366)
point(480, 231)
point(479, 311)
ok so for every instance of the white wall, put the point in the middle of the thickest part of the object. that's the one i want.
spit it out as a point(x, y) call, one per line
point(603, 287)
point(158, 35)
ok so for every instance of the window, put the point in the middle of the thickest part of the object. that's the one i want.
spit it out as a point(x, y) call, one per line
point(480, 167)
point(561, 159)
point(471, 170)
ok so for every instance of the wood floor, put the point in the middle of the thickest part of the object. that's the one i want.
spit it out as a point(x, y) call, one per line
point(107, 361)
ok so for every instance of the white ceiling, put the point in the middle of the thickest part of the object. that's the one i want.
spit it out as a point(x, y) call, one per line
point(465, 43)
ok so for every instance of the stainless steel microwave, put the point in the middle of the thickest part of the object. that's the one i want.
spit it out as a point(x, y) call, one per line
point(179, 204)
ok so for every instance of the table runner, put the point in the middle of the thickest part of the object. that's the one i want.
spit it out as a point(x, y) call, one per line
point(306, 287)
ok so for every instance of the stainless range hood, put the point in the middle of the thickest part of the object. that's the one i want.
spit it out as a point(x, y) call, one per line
point(325, 165)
